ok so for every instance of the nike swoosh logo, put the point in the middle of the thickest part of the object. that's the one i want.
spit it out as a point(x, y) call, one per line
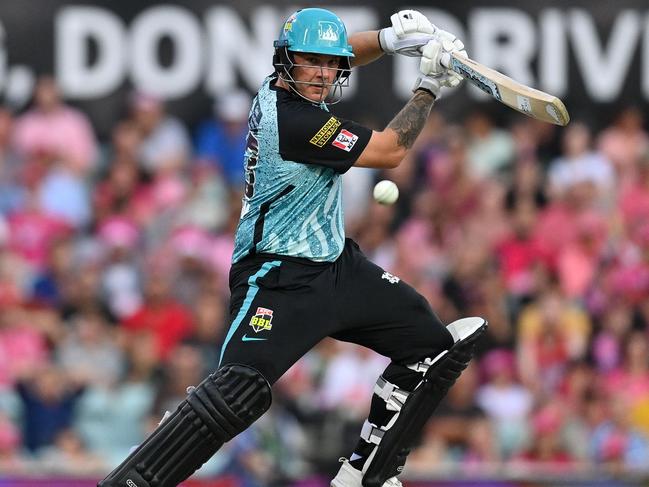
point(246, 338)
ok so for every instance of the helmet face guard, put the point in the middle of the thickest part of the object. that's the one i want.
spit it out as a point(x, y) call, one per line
point(316, 31)
point(284, 63)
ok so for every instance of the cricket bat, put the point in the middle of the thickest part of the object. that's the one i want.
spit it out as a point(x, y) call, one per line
point(531, 102)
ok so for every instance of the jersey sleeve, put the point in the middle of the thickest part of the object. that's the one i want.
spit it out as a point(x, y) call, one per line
point(311, 135)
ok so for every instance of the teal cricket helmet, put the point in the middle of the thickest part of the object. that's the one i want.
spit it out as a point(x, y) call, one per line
point(318, 31)
point(315, 30)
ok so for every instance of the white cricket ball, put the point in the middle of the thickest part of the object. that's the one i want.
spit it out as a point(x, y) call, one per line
point(386, 192)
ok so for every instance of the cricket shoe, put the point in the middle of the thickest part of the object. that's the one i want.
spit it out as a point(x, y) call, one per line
point(348, 476)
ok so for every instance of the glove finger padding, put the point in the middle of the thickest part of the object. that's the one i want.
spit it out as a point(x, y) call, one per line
point(410, 21)
point(436, 58)
point(409, 32)
point(450, 43)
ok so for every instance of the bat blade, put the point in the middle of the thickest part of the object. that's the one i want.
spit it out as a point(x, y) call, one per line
point(529, 101)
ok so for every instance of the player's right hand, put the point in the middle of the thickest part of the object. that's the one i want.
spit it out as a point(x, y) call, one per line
point(436, 58)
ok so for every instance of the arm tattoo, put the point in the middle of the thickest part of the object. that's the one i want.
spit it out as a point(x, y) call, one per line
point(409, 122)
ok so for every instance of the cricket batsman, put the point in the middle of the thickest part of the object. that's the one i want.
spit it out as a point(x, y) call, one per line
point(295, 279)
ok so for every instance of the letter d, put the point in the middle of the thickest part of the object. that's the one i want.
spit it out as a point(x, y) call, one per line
point(75, 27)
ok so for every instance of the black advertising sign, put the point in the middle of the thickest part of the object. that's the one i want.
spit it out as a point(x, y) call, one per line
point(593, 55)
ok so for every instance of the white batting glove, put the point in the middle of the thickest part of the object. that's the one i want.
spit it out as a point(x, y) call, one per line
point(429, 83)
point(436, 58)
point(410, 31)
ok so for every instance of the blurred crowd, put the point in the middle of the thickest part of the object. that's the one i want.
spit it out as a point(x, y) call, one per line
point(114, 259)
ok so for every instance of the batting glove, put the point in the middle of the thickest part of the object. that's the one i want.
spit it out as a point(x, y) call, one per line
point(410, 31)
point(430, 84)
point(435, 63)
point(436, 58)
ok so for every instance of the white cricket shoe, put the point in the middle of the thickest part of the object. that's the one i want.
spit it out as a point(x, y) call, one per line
point(348, 476)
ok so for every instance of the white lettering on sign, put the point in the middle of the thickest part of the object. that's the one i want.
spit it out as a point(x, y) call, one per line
point(75, 27)
point(604, 69)
point(234, 48)
point(504, 39)
point(183, 74)
point(553, 53)
point(229, 47)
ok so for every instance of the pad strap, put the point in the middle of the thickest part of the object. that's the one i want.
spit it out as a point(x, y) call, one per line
point(371, 433)
point(393, 396)
point(422, 367)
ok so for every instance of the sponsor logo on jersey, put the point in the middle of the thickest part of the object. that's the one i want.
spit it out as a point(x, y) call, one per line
point(391, 278)
point(345, 140)
point(323, 135)
point(262, 320)
point(130, 483)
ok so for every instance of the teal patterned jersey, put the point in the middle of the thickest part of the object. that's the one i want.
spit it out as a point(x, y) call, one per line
point(294, 160)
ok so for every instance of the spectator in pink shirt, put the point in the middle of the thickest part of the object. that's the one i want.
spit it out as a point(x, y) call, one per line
point(53, 129)
point(624, 141)
point(631, 379)
point(557, 223)
point(31, 230)
point(547, 447)
point(578, 260)
point(22, 346)
point(519, 253)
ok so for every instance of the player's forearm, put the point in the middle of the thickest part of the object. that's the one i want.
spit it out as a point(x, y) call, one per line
point(366, 47)
point(410, 121)
point(389, 147)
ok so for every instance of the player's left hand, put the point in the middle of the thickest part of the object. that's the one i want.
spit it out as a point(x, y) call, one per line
point(410, 31)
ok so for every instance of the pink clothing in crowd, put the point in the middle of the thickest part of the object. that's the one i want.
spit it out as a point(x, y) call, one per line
point(20, 347)
point(578, 260)
point(31, 234)
point(623, 148)
point(64, 133)
point(634, 386)
point(634, 203)
point(556, 228)
point(517, 258)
